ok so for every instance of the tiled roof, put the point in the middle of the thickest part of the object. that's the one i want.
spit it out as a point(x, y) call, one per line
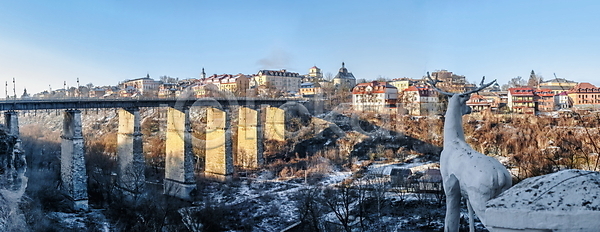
point(521, 91)
point(376, 87)
point(544, 92)
point(584, 88)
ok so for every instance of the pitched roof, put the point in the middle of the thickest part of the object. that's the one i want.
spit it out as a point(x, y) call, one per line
point(584, 87)
point(558, 80)
point(544, 92)
point(375, 86)
point(521, 91)
point(344, 74)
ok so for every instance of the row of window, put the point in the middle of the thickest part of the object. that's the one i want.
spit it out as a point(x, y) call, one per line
point(594, 96)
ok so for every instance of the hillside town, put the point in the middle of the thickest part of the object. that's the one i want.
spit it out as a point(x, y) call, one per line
point(409, 96)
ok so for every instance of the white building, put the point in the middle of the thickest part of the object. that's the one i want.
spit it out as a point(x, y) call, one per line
point(374, 96)
point(145, 85)
point(420, 100)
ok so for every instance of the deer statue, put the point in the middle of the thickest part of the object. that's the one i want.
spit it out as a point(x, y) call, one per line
point(465, 171)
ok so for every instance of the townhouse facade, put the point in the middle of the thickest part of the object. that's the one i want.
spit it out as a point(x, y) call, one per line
point(287, 82)
point(558, 85)
point(479, 103)
point(374, 96)
point(544, 100)
point(419, 100)
point(521, 100)
point(585, 96)
point(145, 86)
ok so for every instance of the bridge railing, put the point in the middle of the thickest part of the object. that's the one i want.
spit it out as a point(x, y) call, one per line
point(88, 103)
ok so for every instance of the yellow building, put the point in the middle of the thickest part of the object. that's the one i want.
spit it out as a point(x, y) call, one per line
point(227, 82)
point(558, 85)
point(282, 80)
point(315, 72)
point(401, 84)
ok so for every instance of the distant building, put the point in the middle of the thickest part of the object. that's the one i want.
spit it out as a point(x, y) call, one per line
point(585, 96)
point(527, 100)
point(420, 100)
point(168, 90)
point(315, 72)
point(497, 99)
point(401, 83)
point(204, 90)
point(344, 79)
point(451, 82)
point(374, 96)
point(25, 95)
point(130, 91)
point(144, 86)
point(97, 93)
point(558, 85)
point(228, 82)
point(562, 101)
point(282, 80)
point(111, 92)
point(309, 89)
point(544, 99)
point(521, 100)
point(479, 103)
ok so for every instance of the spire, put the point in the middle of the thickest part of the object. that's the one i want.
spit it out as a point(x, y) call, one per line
point(343, 69)
point(203, 74)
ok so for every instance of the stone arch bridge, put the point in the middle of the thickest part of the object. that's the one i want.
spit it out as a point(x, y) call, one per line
point(257, 120)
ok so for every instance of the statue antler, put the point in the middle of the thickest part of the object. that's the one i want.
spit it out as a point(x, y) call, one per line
point(433, 83)
point(481, 86)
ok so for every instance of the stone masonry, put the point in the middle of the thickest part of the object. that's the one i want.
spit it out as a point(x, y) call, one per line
point(130, 154)
point(248, 155)
point(219, 157)
point(274, 123)
point(179, 170)
point(73, 174)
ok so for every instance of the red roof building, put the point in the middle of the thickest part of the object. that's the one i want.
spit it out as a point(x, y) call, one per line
point(419, 100)
point(544, 99)
point(479, 103)
point(585, 95)
point(521, 100)
point(374, 96)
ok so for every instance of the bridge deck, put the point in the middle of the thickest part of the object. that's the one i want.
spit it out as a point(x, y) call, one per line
point(93, 103)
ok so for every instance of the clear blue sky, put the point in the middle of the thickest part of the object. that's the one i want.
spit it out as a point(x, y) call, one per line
point(103, 42)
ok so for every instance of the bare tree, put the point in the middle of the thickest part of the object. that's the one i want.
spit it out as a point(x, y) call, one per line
point(340, 202)
point(310, 209)
point(516, 82)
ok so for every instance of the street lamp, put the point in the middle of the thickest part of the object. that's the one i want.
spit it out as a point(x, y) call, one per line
point(78, 93)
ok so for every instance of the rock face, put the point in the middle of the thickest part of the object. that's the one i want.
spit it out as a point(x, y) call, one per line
point(563, 201)
point(12, 183)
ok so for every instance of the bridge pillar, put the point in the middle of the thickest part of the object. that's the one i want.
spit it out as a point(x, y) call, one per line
point(219, 157)
point(130, 154)
point(73, 174)
point(15, 164)
point(274, 123)
point(248, 150)
point(11, 120)
point(179, 171)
